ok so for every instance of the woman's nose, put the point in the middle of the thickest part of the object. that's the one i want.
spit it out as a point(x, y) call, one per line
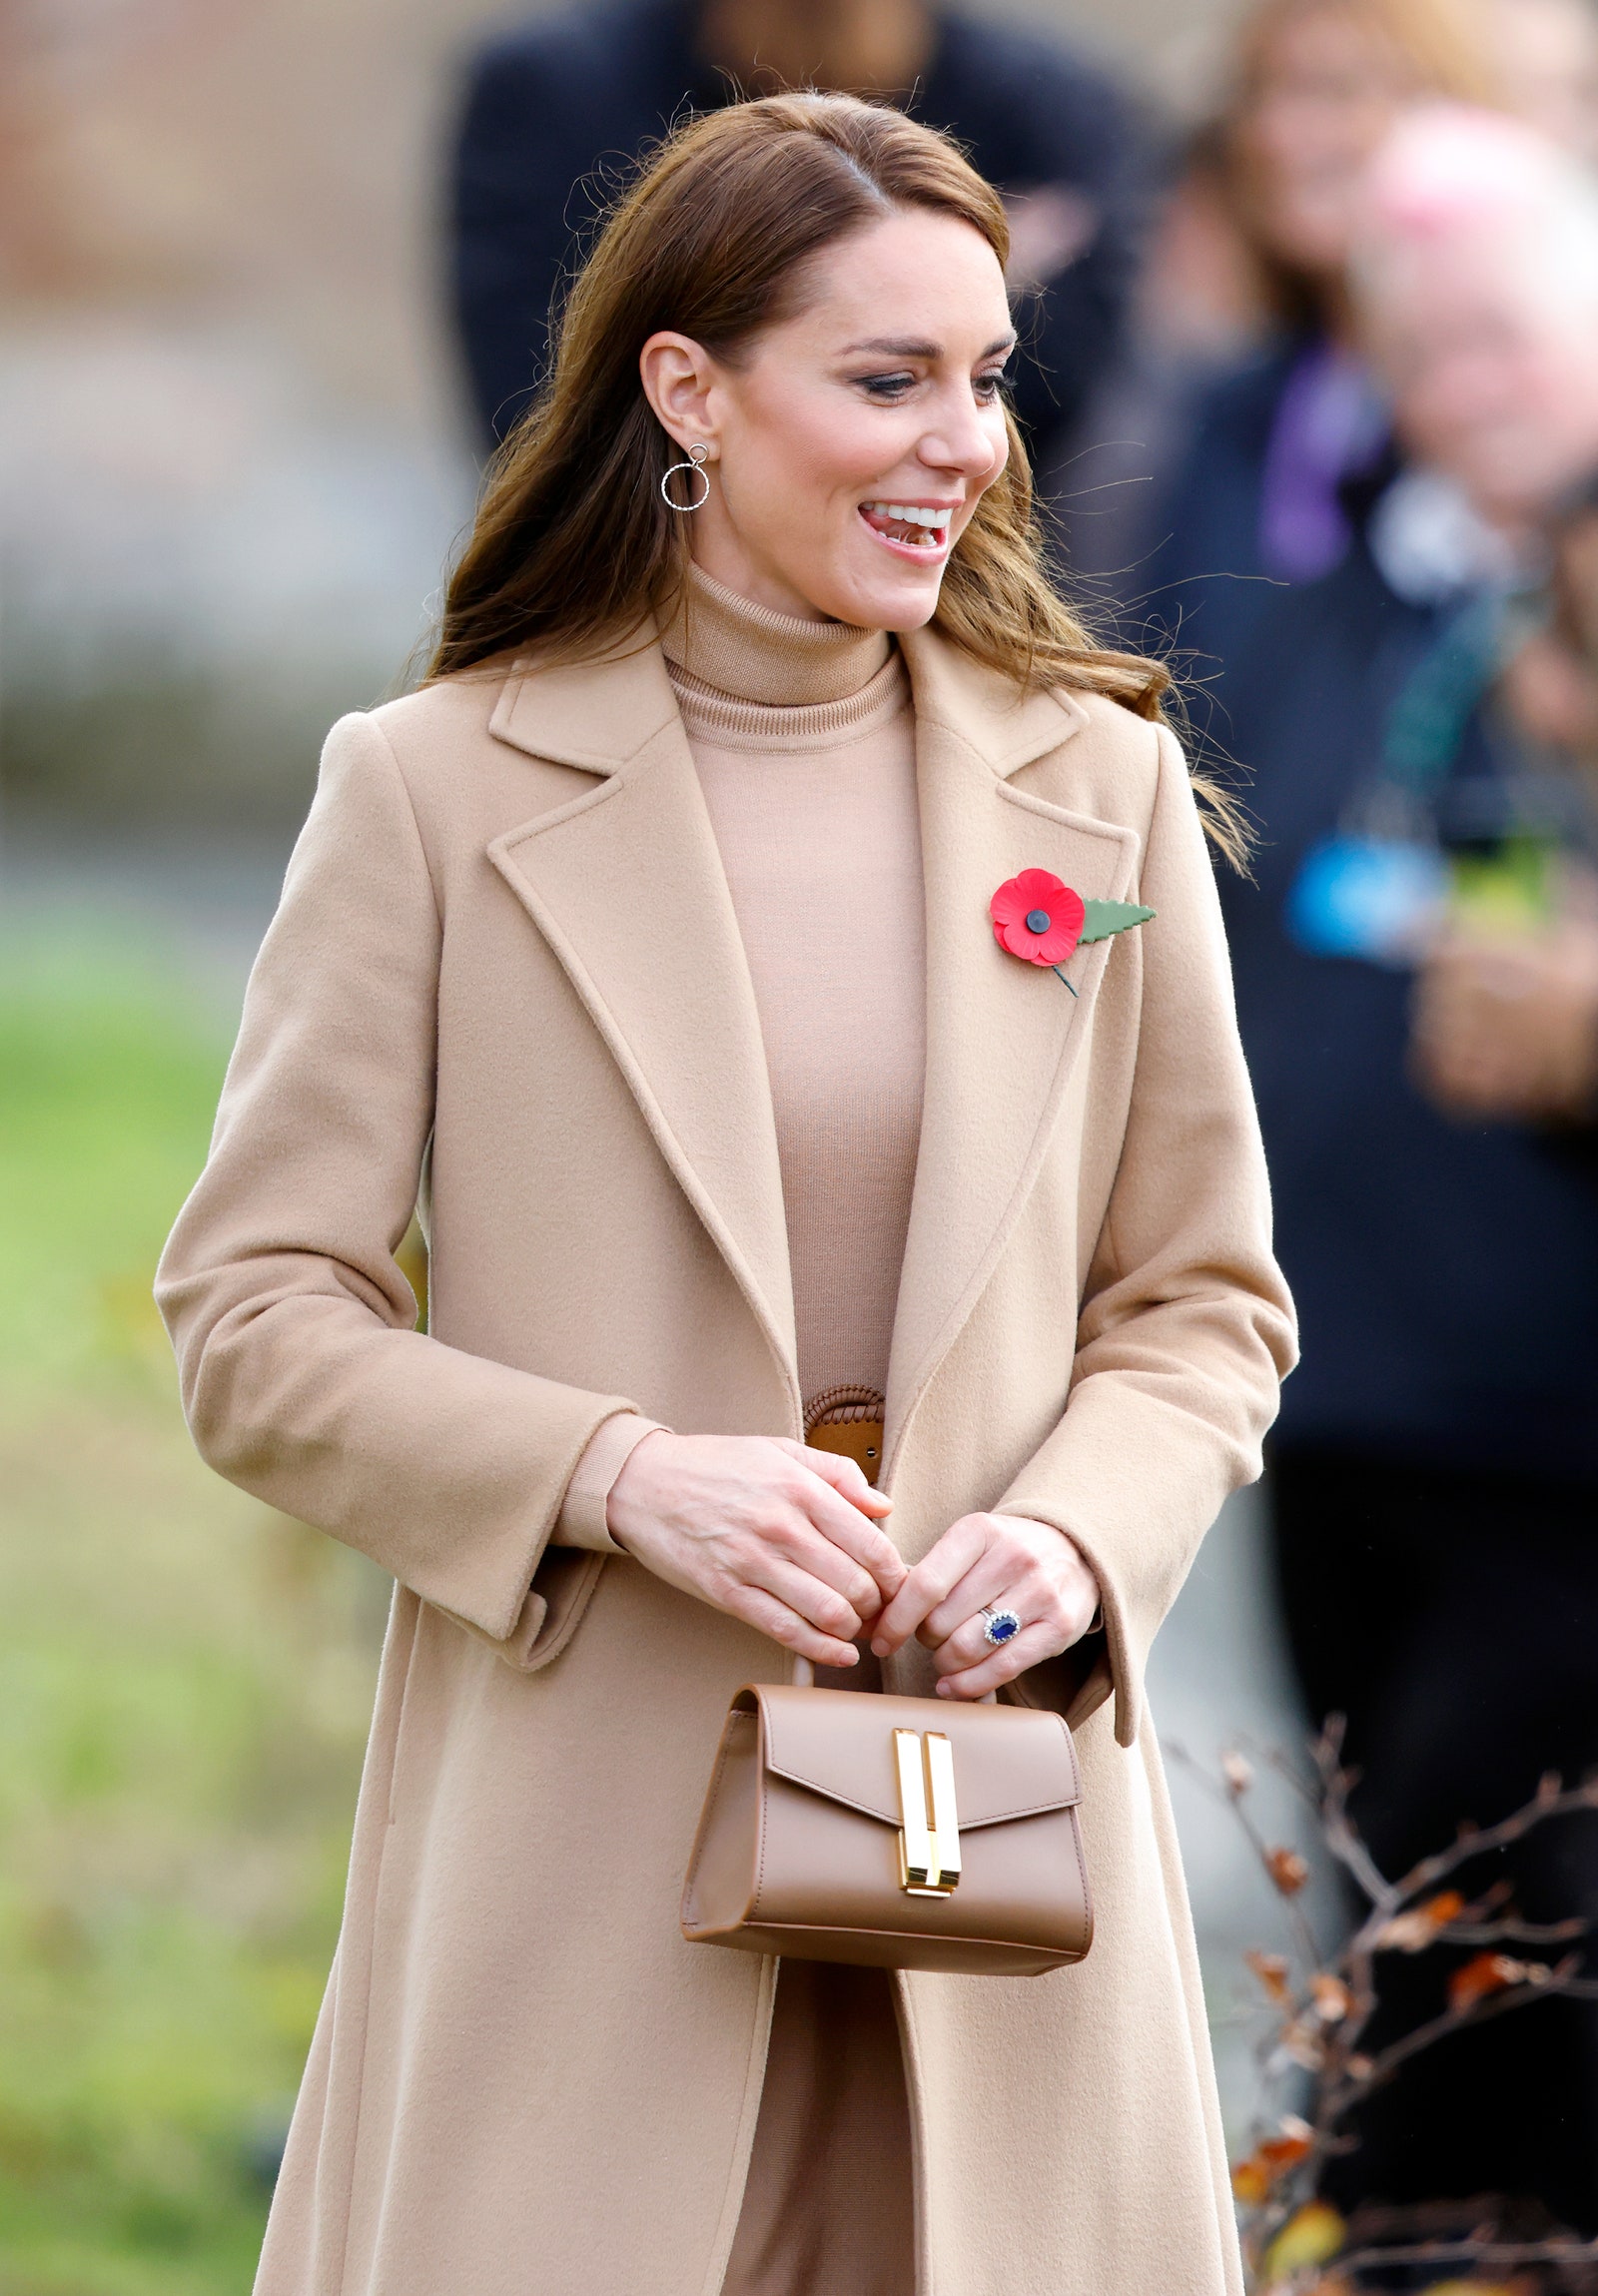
point(961, 440)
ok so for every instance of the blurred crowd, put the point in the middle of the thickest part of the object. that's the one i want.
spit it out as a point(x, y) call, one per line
point(1312, 392)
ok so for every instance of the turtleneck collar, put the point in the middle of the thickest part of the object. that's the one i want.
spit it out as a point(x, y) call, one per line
point(748, 652)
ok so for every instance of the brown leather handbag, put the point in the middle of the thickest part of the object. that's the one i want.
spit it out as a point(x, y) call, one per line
point(902, 1833)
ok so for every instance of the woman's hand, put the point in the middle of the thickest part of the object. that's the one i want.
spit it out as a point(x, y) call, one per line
point(991, 1562)
point(1506, 1025)
point(782, 1537)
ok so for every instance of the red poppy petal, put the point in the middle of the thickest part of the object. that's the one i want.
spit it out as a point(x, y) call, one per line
point(1055, 946)
point(1067, 919)
point(1025, 945)
point(1009, 903)
point(1039, 887)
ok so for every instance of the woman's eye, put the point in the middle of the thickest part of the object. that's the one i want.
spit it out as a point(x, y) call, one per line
point(989, 387)
point(887, 386)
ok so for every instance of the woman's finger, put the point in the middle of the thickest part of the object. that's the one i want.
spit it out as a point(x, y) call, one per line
point(839, 1521)
point(847, 1477)
point(931, 1582)
point(1028, 1648)
point(774, 1618)
point(821, 1605)
point(967, 1644)
point(793, 1538)
point(990, 1580)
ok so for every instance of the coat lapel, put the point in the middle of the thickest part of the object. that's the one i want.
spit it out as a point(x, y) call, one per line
point(1002, 1036)
point(628, 888)
point(627, 884)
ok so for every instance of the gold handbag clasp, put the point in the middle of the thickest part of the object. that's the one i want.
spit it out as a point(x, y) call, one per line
point(929, 1830)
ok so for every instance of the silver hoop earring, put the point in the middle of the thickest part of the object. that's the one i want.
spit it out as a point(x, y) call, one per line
point(697, 463)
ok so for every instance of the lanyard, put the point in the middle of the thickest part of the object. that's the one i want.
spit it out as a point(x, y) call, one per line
point(1426, 723)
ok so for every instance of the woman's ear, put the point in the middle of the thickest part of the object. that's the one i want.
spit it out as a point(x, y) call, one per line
point(677, 375)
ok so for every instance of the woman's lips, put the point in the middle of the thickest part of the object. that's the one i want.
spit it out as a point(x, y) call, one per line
point(915, 530)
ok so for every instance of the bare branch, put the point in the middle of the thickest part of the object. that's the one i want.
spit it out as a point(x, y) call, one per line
point(1560, 1980)
point(1473, 2251)
point(1512, 1930)
point(1549, 1800)
point(1319, 2022)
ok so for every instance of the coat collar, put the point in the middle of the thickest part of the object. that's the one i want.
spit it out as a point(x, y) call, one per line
point(594, 714)
point(571, 716)
point(627, 884)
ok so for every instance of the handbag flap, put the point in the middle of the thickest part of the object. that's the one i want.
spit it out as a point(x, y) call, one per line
point(1008, 1761)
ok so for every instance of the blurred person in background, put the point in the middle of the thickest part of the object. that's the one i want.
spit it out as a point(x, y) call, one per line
point(1255, 498)
point(1200, 306)
point(1415, 977)
point(554, 110)
point(1479, 286)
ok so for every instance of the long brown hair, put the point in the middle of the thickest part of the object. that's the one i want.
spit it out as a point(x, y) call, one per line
point(574, 548)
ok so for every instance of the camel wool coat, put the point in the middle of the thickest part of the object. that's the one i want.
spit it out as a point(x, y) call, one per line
point(506, 977)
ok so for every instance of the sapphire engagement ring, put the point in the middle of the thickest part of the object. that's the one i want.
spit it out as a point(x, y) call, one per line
point(999, 1626)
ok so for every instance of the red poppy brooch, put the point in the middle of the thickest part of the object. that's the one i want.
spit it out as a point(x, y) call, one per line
point(1038, 918)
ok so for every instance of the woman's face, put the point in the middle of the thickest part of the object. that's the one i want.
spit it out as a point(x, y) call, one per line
point(850, 445)
point(1328, 88)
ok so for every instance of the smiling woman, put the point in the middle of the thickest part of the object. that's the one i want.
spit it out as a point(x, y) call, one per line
point(771, 1202)
point(718, 247)
point(845, 464)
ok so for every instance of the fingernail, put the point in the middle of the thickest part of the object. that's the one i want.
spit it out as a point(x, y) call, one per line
point(879, 1649)
point(945, 1690)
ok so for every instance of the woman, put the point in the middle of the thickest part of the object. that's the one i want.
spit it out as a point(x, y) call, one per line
point(651, 943)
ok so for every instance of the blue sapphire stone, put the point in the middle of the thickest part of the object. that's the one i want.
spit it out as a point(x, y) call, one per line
point(1003, 1626)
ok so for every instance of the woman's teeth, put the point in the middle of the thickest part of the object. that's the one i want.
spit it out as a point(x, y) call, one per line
point(908, 524)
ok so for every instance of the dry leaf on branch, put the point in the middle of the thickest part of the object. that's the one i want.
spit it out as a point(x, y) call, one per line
point(1414, 1931)
point(1301, 2039)
point(1287, 1870)
point(1490, 1974)
point(1332, 1998)
point(1271, 1971)
point(1270, 2161)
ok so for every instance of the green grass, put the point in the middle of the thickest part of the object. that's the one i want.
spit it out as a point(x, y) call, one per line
point(185, 1679)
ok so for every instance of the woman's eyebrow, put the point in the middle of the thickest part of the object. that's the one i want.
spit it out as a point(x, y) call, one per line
point(907, 349)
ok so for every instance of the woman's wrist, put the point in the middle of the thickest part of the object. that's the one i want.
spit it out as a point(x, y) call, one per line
point(585, 1510)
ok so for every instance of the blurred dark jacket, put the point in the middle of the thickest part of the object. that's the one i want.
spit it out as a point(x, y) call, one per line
point(1205, 578)
point(1445, 1269)
point(1217, 551)
point(547, 106)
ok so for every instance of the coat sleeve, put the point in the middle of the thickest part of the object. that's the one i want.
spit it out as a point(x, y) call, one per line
point(1185, 1327)
point(304, 1377)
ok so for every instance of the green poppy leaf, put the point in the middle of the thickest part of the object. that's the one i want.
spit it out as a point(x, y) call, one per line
point(1107, 917)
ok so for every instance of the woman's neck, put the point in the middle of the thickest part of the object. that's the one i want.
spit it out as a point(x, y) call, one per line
point(736, 647)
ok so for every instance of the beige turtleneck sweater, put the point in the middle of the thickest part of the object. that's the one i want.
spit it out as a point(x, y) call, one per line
point(804, 740)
